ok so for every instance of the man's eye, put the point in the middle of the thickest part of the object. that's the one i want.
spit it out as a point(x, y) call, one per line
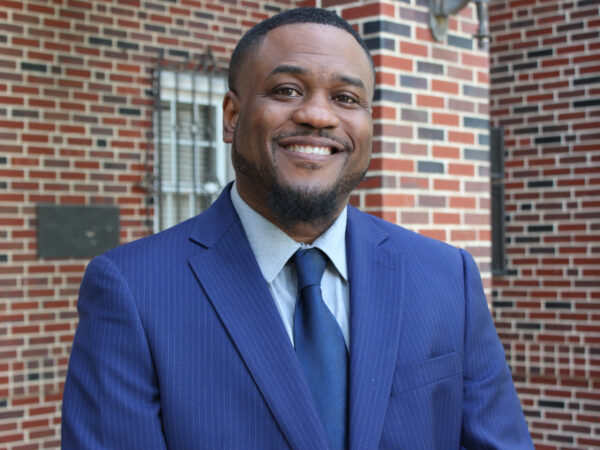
point(287, 91)
point(345, 99)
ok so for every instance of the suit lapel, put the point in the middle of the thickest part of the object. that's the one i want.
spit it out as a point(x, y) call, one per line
point(375, 279)
point(231, 278)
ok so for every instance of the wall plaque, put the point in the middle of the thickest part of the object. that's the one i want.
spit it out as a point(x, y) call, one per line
point(76, 231)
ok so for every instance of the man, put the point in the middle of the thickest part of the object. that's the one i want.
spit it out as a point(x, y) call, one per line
point(203, 336)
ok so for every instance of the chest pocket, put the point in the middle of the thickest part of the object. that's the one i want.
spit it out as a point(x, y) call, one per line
point(412, 376)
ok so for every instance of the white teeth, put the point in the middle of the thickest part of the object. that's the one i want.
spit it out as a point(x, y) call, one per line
point(310, 149)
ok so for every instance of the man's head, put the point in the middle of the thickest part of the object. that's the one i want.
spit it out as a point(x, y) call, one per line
point(298, 115)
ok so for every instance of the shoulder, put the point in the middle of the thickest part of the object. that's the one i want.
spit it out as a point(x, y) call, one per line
point(184, 239)
point(408, 242)
point(171, 240)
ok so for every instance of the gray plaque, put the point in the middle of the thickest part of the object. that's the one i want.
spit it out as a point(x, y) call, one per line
point(69, 231)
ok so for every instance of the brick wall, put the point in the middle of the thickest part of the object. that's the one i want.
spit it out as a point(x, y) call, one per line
point(76, 106)
point(76, 109)
point(430, 169)
point(545, 91)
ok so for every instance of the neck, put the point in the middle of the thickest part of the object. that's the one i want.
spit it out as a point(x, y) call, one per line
point(300, 231)
point(306, 233)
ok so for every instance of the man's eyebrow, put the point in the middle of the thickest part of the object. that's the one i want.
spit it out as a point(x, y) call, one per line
point(286, 68)
point(352, 81)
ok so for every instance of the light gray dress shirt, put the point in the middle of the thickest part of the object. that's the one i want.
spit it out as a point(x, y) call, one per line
point(273, 249)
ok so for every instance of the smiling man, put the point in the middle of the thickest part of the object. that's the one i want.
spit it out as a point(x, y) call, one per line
point(300, 124)
point(282, 317)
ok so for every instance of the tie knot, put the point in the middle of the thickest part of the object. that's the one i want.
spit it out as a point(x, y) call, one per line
point(310, 265)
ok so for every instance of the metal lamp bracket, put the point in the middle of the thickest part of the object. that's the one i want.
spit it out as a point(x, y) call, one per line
point(439, 10)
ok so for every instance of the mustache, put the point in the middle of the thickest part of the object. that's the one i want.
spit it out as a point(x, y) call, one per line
point(316, 133)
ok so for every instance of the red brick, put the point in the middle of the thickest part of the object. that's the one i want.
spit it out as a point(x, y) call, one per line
point(446, 185)
point(462, 202)
point(462, 74)
point(397, 165)
point(368, 10)
point(430, 101)
point(473, 60)
point(463, 235)
point(393, 62)
point(445, 54)
point(446, 218)
point(385, 78)
point(11, 437)
point(384, 112)
point(445, 119)
point(414, 182)
point(411, 48)
point(448, 87)
point(461, 137)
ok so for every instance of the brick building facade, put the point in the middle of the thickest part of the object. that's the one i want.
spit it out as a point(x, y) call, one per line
point(76, 122)
point(545, 92)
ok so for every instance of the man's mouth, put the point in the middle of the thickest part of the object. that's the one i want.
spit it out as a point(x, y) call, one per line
point(310, 149)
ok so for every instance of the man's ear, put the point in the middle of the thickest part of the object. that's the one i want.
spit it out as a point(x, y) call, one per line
point(231, 111)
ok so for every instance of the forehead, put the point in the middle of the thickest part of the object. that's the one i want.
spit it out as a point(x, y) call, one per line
point(320, 47)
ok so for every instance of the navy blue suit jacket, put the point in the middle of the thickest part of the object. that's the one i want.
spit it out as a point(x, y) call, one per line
point(181, 346)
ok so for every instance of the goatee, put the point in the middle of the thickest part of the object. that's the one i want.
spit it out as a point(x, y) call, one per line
point(293, 205)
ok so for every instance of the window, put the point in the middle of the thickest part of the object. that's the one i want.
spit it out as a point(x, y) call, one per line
point(192, 164)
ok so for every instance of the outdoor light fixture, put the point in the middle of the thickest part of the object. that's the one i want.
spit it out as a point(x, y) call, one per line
point(439, 10)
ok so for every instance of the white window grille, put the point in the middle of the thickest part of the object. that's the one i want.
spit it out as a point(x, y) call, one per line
point(192, 164)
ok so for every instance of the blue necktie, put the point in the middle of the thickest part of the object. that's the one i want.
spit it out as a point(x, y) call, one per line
point(321, 348)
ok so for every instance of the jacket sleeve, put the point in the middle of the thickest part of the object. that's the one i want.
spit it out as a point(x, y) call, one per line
point(492, 415)
point(111, 397)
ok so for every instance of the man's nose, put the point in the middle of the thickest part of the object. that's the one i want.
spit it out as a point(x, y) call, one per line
point(316, 111)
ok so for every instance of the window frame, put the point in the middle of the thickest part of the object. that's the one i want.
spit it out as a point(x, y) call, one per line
point(177, 87)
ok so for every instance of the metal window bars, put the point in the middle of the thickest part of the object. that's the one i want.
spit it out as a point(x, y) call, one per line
point(185, 179)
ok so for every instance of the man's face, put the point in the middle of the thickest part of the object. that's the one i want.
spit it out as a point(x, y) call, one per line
point(300, 123)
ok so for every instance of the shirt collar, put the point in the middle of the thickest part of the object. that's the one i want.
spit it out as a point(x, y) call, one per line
point(273, 248)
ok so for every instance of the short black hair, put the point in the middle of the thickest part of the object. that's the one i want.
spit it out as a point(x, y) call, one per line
point(255, 35)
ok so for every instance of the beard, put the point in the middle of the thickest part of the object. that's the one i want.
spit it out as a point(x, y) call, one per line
point(291, 205)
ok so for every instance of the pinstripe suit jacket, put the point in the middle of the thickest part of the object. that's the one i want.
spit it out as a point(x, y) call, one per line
point(180, 346)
